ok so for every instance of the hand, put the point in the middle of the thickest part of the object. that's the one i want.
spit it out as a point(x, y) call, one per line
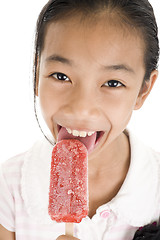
point(64, 237)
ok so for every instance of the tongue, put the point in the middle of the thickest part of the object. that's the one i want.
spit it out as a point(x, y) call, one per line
point(88, 141)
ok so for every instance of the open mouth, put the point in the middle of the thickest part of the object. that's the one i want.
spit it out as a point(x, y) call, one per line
point(89, 139)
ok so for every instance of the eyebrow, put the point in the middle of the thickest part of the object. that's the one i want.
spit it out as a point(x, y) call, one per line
point(58, 58)
point(116, 67)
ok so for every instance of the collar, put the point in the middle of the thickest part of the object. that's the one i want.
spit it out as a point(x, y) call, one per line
point(137, 202)
point(35, 181)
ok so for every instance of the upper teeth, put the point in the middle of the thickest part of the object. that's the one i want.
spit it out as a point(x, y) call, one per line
point(79, 133)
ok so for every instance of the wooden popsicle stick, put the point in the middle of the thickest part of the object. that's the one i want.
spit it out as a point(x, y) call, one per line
point(69, 229)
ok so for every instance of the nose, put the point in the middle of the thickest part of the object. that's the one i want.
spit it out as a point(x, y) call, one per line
point(82, 104)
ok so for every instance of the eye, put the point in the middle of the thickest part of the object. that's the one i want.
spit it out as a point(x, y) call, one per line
point(60, 76)
point(114, 84)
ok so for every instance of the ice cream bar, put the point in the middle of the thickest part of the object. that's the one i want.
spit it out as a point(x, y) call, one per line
point(68, 193)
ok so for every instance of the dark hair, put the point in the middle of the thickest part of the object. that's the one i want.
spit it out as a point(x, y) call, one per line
point(137, 14)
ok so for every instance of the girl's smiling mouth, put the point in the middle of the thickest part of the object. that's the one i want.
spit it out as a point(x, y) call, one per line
point(89, 138)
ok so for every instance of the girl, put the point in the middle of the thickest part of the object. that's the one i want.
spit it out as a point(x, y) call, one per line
point(95, 62)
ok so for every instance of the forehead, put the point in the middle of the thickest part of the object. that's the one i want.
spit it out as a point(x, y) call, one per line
point(100, 40)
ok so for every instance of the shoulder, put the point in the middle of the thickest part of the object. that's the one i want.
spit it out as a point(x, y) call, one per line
point(140, 150)
point(155, 155)
point(12, 168)
point(10, 175)
point(10, 171)
point(152, 156)
point(144, 163)
point(13, 164)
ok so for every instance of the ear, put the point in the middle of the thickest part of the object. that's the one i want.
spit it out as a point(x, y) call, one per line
point(146, 89)
point(37, 76)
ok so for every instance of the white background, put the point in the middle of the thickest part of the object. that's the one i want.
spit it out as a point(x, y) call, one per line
point(18, 127)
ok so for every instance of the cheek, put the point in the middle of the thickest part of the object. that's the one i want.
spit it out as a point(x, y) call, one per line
point(52, 97)
point(119, 108)
point(47, 99)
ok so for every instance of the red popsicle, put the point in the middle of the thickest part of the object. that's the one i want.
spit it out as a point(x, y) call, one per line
point(68, 193)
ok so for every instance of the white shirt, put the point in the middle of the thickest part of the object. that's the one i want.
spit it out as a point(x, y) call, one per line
point(24, 187)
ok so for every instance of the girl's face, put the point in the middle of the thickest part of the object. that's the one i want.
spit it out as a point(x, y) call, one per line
point(90, 77)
